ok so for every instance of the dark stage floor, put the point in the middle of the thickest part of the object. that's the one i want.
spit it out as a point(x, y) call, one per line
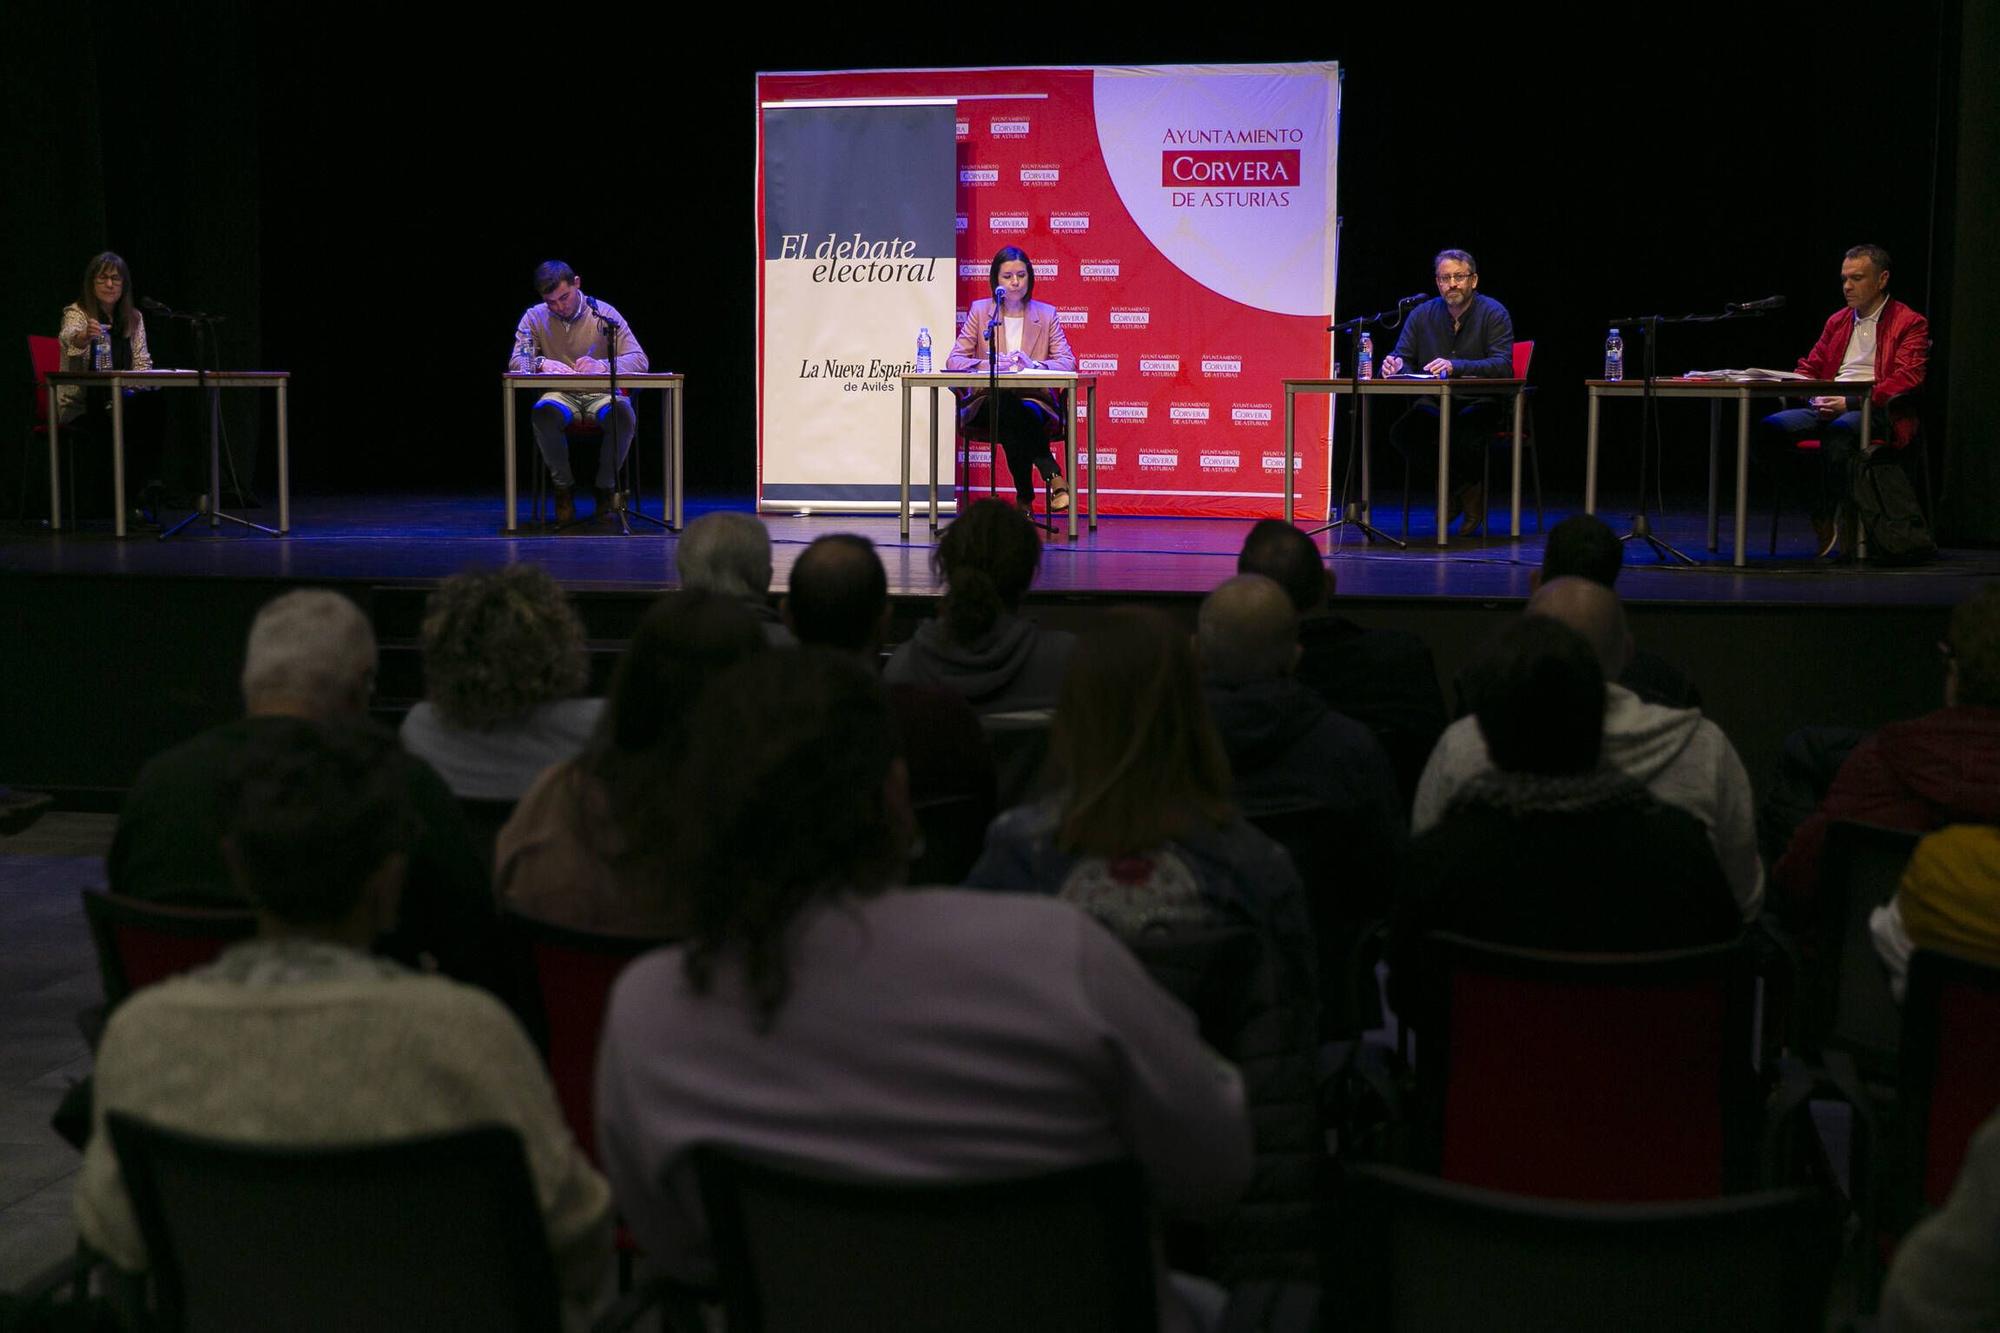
point(423, 538)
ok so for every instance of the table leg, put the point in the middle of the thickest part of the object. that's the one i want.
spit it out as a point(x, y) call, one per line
point(1714, 469)
point(1519, 402)
point(55, 470)
point(1867, 438)
point(1367, 510)
point(1590, 457)
point(1069, 454)
point(507, 448)
point(903, 486)
point(118, 458)
point(1742, 476)
point(934, 457)
point(1291, 400)
point(1090, 437)
point(284, 458)
point(675, 391)
point(1444, 463)
point(214, 457)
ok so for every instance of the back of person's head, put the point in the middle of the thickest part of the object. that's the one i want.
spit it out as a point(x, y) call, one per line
point(312, 810)
point(683, 643)
point(1247, 631)
point(838, 592)
point(499, 644)
point(1538, 694)
point(726, 552)
point(1593, 611)
point(787, 793)
point(1583, 546)
point(1286, 556)
point(310, 652)
point(1138, 754)
point(987, 558)
point(1974, 642)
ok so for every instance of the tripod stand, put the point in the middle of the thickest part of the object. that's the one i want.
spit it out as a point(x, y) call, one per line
point(1649, 413)
point(1351, 513)
point(209, 506)
point(623, 503)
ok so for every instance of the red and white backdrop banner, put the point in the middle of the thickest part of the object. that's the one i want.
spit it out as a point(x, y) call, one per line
point(1181, 219)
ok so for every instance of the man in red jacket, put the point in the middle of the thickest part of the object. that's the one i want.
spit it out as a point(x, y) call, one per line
point(1874, 337)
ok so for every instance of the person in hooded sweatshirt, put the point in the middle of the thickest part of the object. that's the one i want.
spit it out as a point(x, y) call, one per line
point(980, 647)
point(1678, 755)
point(1287, 750)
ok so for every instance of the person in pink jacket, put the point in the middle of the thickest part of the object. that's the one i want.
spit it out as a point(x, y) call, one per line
point(1028, 336)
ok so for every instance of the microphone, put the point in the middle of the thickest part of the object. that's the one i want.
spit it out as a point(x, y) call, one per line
point(1413, 300)
point(999, 296)
point(1768, 303)
point(156, 307)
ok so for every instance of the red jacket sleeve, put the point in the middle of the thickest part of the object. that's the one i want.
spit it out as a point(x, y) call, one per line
point(1907, 359)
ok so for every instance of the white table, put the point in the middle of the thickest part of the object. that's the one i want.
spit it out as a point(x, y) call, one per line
point(1717, 392)
point(1024, 379)
point(214, 381)
point(1444, 391)
point(668, 384)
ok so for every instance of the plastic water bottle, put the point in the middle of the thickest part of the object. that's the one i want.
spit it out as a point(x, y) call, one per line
point(1367, 355)
point(100, 351)
point(923, 351)
point(1614, 357)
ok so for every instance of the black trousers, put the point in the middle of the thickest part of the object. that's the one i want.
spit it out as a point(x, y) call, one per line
point(86, 446)
point(1473, 424)
point(1024, 439)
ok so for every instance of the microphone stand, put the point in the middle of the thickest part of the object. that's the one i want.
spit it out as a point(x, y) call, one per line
point(609, 328)
point(1350, 513)
point(209, 506)
point(1649, 416)
point(993, 449)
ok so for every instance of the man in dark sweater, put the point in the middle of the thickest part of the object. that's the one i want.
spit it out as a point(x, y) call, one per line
point(311, 654)
point(1384, 679)
point(1458, 334)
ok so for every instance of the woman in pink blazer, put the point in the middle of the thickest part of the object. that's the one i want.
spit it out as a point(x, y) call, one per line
point(1029, 337)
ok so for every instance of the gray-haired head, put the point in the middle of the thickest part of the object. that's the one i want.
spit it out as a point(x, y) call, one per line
point(726, 552)
point(1248, 630)
point(310, 652)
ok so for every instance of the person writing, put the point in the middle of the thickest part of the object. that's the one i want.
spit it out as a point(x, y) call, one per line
point(1027, 337)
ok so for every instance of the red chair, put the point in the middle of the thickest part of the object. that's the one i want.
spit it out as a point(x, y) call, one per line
point(45, 356)
point(1903, 406)
point(630, 477)
point(1949, 1082)
point(140, 942)
point(972, 429)
point(1588, 1076)
point(1524, 354)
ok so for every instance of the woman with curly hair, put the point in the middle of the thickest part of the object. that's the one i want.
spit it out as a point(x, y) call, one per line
point(503, 666)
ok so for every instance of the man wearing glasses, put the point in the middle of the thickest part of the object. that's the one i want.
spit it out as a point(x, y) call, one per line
point(1459, 334)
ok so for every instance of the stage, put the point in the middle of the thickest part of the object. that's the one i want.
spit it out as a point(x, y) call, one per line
point(118, 648)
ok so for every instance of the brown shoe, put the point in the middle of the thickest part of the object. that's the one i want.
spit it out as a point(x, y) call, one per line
point(1826, 536)
point(607, 501)
point(565, 505)
point(1475, 509)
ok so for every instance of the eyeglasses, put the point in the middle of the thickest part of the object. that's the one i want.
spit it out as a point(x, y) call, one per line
point(111, 279)
point(1446, 279)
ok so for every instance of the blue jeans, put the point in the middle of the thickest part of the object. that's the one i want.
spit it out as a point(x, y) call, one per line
point(1839, 450)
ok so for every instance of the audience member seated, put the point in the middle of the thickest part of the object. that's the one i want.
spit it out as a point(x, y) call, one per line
point(730, 553)
point(1550, 847)
point(821, 1016)
point(1678, 755)
point(1941, 768)
point(839, 599)
point(301, 1036)
point(1142, 829)
point(1287, 750)
point(980, 647)
point(1946, 1275)
point(1384, 679)
point(311, 654)
point(503, 664)
point(1583, 546)
point(589, 845)
point(1948, 900)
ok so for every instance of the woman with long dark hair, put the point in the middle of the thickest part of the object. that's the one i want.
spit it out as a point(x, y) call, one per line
point(104, 323)
point(1029, 337)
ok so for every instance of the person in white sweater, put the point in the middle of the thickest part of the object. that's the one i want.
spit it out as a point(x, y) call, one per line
point(301, 1037)
point(1678, 755)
